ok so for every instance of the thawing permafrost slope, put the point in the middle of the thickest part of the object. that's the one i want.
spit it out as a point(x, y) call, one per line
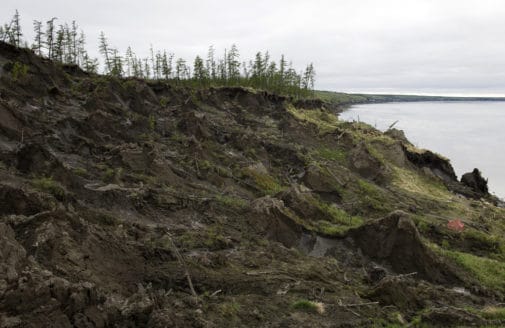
point(134, 203)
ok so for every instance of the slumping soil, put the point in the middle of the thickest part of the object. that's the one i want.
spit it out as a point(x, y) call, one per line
point(130, 203)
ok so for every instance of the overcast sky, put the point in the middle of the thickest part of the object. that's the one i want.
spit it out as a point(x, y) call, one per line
point(393, 46)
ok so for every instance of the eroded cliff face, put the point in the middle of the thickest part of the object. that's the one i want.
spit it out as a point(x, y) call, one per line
point(126, 203)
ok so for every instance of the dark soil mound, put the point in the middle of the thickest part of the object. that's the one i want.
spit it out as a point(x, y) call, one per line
point(475, 181)
point(395, 241)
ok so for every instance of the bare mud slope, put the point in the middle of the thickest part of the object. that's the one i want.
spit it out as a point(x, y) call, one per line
point(126, 203)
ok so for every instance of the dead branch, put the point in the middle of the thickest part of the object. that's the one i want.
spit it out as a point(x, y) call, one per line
point(183, 265)
point(394, 123)
point(358, 304)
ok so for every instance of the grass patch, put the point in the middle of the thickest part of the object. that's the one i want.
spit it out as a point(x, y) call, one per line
point(152, 122)
point(111, 175)
point(330, 154)
point(164, 101)
point(420, 185)
point(308, 306)
point(324, 120)
point(47, 184)
point(233, 202)
point(491, 273)
point(375, 153)
point(229, 309)
point(373, 198)
point(80, 171)
point(19, 71)
point(337, 220)
point(211, 239)
point(268, 184)
point(331, 229)
point(493, 313)
point(339, 216)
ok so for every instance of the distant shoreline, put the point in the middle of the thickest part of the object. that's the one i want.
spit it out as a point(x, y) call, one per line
point(341, 100)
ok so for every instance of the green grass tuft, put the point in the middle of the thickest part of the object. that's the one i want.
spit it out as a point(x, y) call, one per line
point(308, 306)
point(491, 273)
point(233, 202)
point(329, 154)
point(47, 184)
point(264, 181)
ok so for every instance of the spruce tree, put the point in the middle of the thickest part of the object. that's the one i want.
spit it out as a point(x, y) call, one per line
point(233, 64)
point(104, 50)
point(167, 65)
point(181, 71)
point(199, 72)
point(50, 37)
point(37, 46)
point(59, 44)
point(211, 63)
point(16, 29)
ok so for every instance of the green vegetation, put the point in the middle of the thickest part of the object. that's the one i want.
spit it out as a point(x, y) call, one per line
point(491, 273)
point(331, 229)
point(80, 171)
point(152, 122)
point(19, 71)
point(110, 174)
point(420, 185)
point(229, 309)
point(264, 181)
point(210, 238)
point(163, 102)
point(66, 44)
point(492, 313)
point(372, 197)
point(47, 184)
point(325, 121)
point(330, 154)
point(232, 202)
point(308, 306)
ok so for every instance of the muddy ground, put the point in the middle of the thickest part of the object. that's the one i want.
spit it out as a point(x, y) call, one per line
point(130, 203)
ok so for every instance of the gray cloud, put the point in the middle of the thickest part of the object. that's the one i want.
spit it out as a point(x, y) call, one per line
point(420, 46)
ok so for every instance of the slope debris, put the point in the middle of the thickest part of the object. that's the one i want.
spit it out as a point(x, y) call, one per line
point(133, 203)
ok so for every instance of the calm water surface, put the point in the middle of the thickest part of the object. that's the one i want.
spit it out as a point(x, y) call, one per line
point(471, 134)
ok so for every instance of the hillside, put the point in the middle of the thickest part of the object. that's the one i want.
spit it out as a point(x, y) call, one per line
point(132, 203)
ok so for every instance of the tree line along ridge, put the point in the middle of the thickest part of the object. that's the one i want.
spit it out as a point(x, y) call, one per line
point(66, 43)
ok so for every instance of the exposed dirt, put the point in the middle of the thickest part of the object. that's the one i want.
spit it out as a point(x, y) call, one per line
point(126, 203)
